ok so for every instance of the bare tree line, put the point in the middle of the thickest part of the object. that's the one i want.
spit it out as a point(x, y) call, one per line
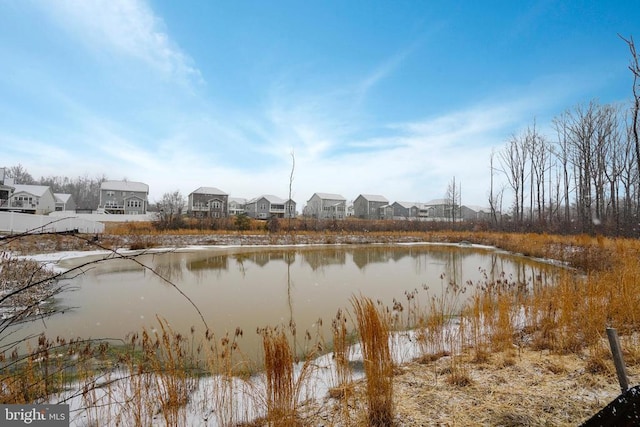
point(84, 190)
point(586, 177)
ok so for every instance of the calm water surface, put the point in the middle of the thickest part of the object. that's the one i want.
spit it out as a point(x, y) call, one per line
point(257, 287)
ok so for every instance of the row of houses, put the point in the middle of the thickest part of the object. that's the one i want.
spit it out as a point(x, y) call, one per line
point(374, 206)
point(35, 199)
point(131, 198)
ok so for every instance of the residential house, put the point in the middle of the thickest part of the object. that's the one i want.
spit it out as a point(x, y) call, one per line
point(64, 202)
point(6, 189)
point(208, 202)
point(326, 206)
point(268, 206)
point(413, 211)
point(443, 210)
point(124, 197)
point(368, 206)
point(475, 213)
point(237, 206)
point(386, 211)
point(33, 199)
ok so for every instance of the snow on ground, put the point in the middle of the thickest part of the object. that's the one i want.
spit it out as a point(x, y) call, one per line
point(215, 400)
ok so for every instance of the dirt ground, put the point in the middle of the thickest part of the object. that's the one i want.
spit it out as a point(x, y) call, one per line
point(519, 388)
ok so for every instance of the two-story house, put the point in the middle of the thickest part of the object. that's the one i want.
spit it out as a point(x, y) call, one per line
point(268, 206)
point(124, 197)
point(443, 210)
point(326, 206)
point(208, 202)
point(413, 211)
point(371, 206)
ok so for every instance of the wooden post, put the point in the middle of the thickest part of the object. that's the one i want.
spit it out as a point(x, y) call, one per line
point(618, 360)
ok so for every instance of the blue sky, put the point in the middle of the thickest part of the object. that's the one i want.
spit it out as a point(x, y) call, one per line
point(393, 98)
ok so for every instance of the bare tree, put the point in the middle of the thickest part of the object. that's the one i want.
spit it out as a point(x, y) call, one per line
point(452, 200)
point(514, 160)
point(170, 208)
point(20, 175)
point(634, 67)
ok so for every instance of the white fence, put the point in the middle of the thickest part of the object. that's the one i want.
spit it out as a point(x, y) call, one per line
point(102, 217)
point(13, 222)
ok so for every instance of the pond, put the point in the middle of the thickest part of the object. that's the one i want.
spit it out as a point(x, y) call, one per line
point(251, 287)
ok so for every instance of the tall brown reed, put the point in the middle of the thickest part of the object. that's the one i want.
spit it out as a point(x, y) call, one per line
point(343, 387)
point(281, 395)
point(373, 328)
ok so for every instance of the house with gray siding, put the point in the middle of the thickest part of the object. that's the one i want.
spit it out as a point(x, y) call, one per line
point(208, 202)
point(326, 206)
point(368, 206)
point(64, 202)
point(413, 211)
point(443, 210)
point(269, 206)
point(124, 197)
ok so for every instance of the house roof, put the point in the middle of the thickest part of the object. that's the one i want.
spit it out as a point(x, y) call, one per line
point(36, 190)
point(209, 190)
point(62, 197)
point(407, 205)
point(435, 202)
point(125, 186)
point(329, 196)
point(374, 198)
point(270, 198)
point(238, 200)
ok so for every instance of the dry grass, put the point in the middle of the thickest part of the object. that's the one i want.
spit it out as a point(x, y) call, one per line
point(521, 354)
point(373, 327)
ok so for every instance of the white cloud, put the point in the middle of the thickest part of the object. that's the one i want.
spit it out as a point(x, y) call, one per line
point(125, 27)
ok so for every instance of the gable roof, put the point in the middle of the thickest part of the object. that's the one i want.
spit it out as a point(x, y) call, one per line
point(62, 197)
point(36, 190)
point(125, 186)
point(374, 198)
point(238, 200)
point(270, 198)
point(330, 196)
point(406, 205)
point(438, 202)
point(209, 190)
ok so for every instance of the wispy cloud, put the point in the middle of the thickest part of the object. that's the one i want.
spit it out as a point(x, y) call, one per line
point(125, 27)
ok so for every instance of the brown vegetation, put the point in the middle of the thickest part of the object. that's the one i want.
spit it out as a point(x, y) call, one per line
point(512, 341)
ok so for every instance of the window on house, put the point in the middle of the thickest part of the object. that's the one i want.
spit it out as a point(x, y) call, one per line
point(111, 193)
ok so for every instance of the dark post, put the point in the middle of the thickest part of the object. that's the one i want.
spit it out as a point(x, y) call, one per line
point(618, 360)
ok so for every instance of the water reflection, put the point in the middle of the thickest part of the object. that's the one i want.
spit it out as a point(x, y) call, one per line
point(257, 287)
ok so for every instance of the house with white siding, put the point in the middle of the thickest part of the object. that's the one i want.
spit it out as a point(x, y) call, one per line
point(32, 199)
point(237, 205)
